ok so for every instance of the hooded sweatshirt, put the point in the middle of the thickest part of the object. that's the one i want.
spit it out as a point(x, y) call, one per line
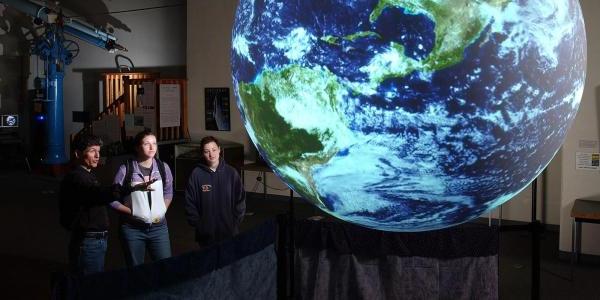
point(215, 202)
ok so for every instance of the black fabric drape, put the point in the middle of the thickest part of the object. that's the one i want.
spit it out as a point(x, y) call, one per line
point(336, 260)
point(345, 238)
point(244, 267)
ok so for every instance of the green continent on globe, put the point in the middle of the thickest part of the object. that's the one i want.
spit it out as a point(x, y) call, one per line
point(458, 24)
point(295, 118)
point(408, 115)
point(352, 37)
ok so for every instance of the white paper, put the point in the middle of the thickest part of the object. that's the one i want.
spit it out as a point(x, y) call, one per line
point(149, 97)
point(587, 161)
point(148, 117)
point(170, 102)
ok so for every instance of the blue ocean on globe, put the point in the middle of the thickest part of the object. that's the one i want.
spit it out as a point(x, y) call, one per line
point(408, 115)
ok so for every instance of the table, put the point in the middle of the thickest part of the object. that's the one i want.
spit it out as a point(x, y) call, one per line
point(583, 211)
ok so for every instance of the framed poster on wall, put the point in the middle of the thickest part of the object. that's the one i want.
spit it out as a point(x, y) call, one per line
point(217, 109)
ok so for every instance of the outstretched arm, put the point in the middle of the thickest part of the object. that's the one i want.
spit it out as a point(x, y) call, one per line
point(120, 190)
point(92, 193)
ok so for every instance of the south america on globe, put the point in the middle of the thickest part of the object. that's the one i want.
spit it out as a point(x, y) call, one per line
point(408, 115)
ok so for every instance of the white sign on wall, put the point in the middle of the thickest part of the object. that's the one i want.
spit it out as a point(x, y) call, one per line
point(587, 161)
point(170, 105)
point(148, 98)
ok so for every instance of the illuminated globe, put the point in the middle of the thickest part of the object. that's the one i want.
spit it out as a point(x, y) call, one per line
point(11, 120)
point(408, 115)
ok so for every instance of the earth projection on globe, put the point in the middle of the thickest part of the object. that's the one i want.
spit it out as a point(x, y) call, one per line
point(408, 115)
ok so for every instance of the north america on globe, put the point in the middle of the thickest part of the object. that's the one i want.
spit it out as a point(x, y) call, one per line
point(408, 115)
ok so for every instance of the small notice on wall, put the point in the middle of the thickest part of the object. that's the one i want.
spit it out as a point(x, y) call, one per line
point(148, 97)
point(587, 161)
point(145, 117)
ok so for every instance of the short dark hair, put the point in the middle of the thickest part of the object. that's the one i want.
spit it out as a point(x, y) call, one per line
point(208, 139)
point(137, 140)
point(84, 141)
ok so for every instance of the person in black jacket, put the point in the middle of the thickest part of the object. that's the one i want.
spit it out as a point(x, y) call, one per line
point(83, 208)
point(215, 201)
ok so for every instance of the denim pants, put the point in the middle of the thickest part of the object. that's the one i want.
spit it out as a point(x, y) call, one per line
point(136, 238)
point(86, 253)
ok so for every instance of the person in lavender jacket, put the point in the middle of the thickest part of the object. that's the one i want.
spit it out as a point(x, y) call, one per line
point(142, 212)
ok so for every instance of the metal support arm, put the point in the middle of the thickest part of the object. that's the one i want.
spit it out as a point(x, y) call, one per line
point(51, 47)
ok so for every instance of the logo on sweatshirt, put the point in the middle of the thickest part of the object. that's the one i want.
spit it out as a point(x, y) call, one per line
point(206, 187)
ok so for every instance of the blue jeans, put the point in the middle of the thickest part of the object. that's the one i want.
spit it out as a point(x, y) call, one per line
point(86, 254)
point(136, 238)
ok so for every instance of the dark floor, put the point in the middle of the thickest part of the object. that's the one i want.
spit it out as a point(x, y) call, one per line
point(34, 245)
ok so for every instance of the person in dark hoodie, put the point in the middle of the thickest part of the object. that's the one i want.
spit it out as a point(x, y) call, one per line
point(215, 201)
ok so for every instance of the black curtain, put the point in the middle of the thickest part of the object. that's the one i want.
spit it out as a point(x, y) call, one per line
point(244, 267)
point(336, 260)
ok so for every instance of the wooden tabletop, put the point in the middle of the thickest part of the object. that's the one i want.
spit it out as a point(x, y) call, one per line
point(586, 209)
